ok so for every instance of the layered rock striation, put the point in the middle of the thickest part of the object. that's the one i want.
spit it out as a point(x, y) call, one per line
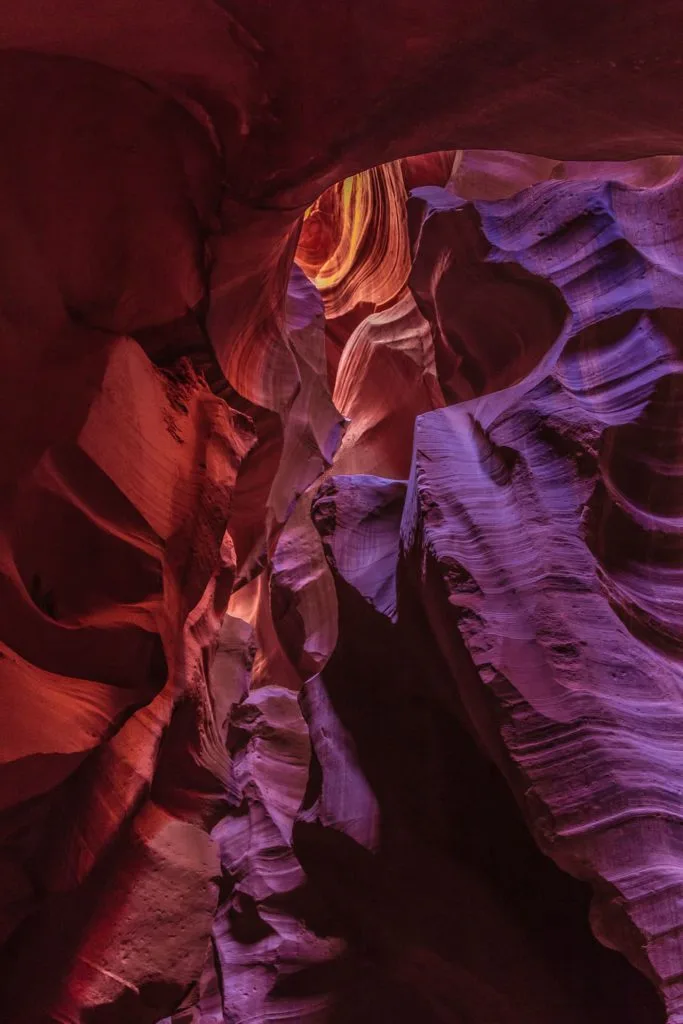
point(340, 514)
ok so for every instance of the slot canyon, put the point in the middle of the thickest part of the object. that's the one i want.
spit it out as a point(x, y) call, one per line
point(341, 512)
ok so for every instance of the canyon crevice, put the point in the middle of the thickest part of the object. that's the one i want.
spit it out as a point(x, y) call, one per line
point(341, 513)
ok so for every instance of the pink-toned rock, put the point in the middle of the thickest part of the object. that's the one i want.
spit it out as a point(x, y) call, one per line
point(341, 617)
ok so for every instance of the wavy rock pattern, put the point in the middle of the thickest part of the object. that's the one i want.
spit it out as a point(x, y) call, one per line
point(354, 244)
point(95, 818)
point(574, 635)
point(316, 858)
point(340, 525)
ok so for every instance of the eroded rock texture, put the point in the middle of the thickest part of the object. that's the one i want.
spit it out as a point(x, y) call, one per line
point(340, 513)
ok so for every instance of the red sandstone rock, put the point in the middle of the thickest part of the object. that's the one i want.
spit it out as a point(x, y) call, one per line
point(276, 740)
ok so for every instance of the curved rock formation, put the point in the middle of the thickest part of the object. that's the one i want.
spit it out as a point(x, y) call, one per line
point(340, 525)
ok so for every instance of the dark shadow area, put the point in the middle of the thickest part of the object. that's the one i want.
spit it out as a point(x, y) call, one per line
point(458, 917)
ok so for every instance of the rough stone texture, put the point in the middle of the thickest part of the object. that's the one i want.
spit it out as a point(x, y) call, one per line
point(340, 513)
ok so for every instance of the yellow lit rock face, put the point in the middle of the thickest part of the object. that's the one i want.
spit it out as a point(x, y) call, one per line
point(354, 240)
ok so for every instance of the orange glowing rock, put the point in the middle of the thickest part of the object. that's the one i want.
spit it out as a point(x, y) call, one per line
point(354, 240)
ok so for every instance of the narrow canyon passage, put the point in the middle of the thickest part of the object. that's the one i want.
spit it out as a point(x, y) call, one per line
point(341, 513)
